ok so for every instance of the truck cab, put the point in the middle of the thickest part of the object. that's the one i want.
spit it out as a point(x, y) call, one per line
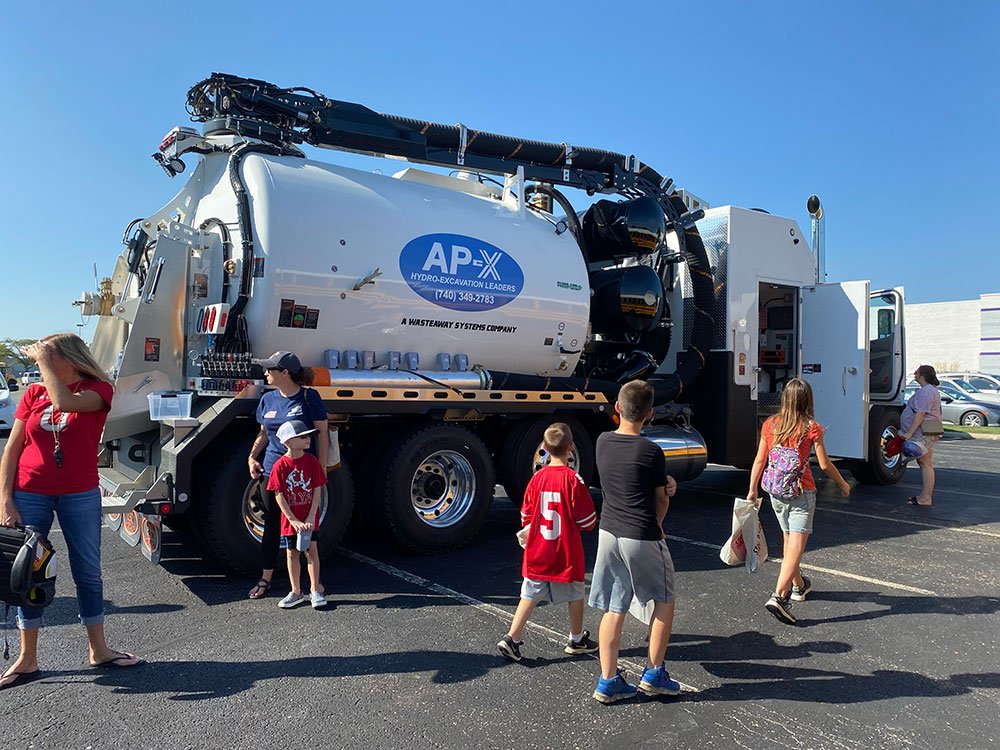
point(775, 322)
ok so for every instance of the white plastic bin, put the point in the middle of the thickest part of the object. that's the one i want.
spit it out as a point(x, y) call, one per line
point(169, 405)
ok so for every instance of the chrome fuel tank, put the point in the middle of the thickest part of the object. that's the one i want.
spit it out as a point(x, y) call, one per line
point(683, 447)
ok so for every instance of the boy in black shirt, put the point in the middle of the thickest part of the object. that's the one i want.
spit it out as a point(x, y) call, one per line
point(632, 556)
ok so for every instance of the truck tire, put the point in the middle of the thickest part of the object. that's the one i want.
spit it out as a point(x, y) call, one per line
point(881, 469)
point(524, 453)
point(436, 488)
point(228, 523)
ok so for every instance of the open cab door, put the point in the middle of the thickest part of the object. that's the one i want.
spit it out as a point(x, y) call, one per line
point(885, 333)
point(834, 360)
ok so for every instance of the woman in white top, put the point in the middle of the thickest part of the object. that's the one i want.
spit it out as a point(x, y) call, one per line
point(924, 403)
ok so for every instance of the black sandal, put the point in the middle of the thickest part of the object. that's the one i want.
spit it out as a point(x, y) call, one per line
point(259, 591)
point(913, 501)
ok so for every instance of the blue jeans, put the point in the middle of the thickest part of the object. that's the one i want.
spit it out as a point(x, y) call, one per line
point(80, 520)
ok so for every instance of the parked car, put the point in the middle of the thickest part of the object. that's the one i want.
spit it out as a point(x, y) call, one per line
point(964, 386)
point(983, 381)
point(6, 411)
point(31, 376)
point(960, 408)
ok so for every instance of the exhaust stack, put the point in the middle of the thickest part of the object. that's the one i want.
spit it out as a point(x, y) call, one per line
point(815, 209)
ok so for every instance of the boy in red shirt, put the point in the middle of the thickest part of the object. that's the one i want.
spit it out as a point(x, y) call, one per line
point(557, 507)
point(297, 480)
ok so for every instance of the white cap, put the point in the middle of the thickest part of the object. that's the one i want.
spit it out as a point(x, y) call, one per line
point(295, 428)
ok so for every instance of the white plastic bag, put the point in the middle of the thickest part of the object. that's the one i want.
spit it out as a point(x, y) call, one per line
point(746, 528)
point(522, 536)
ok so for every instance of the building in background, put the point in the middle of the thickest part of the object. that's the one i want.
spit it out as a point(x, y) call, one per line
point(953, 336)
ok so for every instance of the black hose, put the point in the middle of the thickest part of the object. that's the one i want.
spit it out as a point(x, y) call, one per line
point(572, 220)
point(227, 251)
point(691, 361)
point(246, 230)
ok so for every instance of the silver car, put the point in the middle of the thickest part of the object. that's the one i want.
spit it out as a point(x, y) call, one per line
point(960, 408)
point(6, 411)
point(984, 382)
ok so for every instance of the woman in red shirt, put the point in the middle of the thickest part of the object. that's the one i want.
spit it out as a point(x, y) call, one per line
point(49, 467)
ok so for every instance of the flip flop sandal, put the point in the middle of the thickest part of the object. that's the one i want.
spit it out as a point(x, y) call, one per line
point(20, 678)
point(913, 501)
point(260, 590)
point(115, 662)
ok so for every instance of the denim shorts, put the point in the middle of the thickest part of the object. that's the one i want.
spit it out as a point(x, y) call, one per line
point(556, 592)
point(80, 520)
point(796, 514)
point(627, 568)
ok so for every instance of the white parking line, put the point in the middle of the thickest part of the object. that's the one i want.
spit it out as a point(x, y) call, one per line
point(809, 566)
point(948, 491)
point(895, 519)
point(494, 611)
point(908, 522)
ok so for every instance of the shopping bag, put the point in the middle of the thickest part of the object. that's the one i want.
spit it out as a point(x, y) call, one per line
point(746, 544)
point(642, 612)
point(522, 536)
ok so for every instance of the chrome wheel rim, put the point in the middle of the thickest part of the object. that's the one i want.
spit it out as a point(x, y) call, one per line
point(542, 458)
point(443, 489)
point(253, 509)
point(973, 420)
point(890, 462)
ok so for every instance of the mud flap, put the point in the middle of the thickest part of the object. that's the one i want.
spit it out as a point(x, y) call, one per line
point(151, 538)
point(131, 529)
point(113, 521)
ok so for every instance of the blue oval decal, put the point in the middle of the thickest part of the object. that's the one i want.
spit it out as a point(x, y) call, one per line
point(460, 273)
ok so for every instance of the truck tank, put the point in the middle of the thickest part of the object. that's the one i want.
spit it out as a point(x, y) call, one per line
point(352, 260)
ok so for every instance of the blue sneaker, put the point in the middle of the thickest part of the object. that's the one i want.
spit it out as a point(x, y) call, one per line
point(657, 682)
point(615, 689)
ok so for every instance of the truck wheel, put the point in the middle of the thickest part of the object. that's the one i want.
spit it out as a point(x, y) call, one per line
point(524, 453)
point(436, 488)
point(336, 515)
point(230, 515)
point(881, 468)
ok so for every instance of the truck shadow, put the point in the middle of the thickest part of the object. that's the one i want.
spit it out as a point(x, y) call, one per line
point(902, 605)
point(64, 610)
point(745, 646)
point(770, 682)
point(207, 680)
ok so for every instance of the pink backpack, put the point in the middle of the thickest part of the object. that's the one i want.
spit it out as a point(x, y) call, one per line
point(783, 476)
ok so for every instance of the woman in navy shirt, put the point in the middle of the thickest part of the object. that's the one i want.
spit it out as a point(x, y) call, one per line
point(289, 400)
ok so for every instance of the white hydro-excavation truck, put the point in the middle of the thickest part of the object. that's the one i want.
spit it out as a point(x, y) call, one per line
point(449, 319)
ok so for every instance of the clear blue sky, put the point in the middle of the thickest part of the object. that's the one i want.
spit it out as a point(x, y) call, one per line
point(888, 110)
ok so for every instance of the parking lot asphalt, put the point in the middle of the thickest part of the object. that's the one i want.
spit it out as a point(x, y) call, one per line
point(896, 647)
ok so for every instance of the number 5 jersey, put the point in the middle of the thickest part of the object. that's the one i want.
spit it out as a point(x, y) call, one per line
point(557, 507)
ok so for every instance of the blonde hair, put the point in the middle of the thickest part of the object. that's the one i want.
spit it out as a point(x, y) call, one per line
point(73, 349)
point(792, 421)
point(558, 438)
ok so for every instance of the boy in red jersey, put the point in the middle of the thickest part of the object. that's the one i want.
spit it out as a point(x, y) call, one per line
point(557, 507)
point(297, 480)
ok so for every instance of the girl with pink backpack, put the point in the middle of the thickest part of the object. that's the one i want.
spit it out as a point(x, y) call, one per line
point(782, 468)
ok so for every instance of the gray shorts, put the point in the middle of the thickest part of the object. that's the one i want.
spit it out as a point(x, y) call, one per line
point(627, 568)
point(797, 514)
point(555, 592)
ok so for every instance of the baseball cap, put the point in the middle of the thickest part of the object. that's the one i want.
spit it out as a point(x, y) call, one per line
point(293, 429)
point(281, 361)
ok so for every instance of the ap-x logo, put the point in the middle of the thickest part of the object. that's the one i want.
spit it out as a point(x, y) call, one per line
point(460, 272)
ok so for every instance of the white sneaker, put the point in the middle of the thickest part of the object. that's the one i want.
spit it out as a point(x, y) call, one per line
point(292, 600)
point(318, 600)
